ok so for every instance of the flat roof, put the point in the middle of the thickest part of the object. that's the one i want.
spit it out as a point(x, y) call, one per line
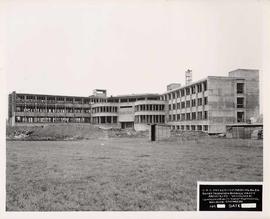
point(49, 95)
point(185, 86)
point(135, 95)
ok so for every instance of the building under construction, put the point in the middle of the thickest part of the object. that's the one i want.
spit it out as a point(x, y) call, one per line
point(205, 105)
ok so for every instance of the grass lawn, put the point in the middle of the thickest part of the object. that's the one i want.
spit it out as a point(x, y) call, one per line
point(123, 174)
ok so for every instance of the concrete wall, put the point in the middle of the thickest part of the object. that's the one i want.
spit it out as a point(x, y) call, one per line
point(221, 98)
point(244, 132)
point(126, 114)
point(162, 132)
point(252, 90)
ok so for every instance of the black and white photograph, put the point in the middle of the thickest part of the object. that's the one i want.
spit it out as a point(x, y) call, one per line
point(134, 106)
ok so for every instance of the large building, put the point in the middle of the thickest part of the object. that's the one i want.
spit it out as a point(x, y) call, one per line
point(205, 105)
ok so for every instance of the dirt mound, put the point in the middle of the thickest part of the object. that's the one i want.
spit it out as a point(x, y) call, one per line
point(68, 132)
point(188, 135)
point(55, 132)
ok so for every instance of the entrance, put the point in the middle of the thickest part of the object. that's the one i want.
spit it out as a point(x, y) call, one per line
point(153, 132)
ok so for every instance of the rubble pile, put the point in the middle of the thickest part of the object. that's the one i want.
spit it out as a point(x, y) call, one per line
point(113, 133)
point(69, 132)
point(54, 132)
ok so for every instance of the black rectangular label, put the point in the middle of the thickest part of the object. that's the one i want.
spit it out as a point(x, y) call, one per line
point(239, 197)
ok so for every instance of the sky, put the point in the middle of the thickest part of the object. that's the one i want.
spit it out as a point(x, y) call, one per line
point(72, 47)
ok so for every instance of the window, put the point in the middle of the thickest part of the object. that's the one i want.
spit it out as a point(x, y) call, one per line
point(40, 98)
point(182, 127)
point(240, 117)
point(178, 105)
point(240, 88)
point(193, 102)
point(199, 115)
point(60, 98)
point(240, 102)
point(170, 107)
point(182, 105)
point(182, 92)
point(199, 127)
point(178, 117)
point(199, 101)
point(205, 100)
point(205, 127)
point(188, 91)
point(187, 103)
point(178, 93)
point(193, 90)
point(173, 95)
point(188, 116)
point(183, 117)
point(205, 85)
point(193, 115)
point(199, 87)
point(174, 106)
point(173, 117)
point(193, 128)
point(205, 115)
point(187, 128)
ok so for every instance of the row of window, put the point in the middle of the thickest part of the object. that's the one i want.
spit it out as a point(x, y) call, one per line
point(104, 119)
point(105, 109)
point(150, 107)
point(24, 119)
point(189, 103)
point(53, 99)
point(150, 119)
point(190, 127)
point(53, 110)
point(196, 88)
point(188, 116)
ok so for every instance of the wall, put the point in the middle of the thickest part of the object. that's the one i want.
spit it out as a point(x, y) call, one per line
point(252, 90)
point(126, 114)
point(162, 132)
point(221, 98)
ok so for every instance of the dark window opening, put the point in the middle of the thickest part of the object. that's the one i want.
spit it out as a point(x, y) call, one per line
point(240, 117)
point(240, 88)
point(205, 100)
point(240, 102)
point(199, 88)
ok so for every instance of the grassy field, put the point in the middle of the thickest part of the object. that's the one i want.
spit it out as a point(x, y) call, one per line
point(124, 173)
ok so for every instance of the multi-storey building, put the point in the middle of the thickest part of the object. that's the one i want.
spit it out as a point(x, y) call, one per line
point(213, 102)
point(205, 105)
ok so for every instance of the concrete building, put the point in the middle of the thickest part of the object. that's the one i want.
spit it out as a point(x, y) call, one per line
point(205, 105)
point(27, 109)
point(130, 111)
point(212, 103)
